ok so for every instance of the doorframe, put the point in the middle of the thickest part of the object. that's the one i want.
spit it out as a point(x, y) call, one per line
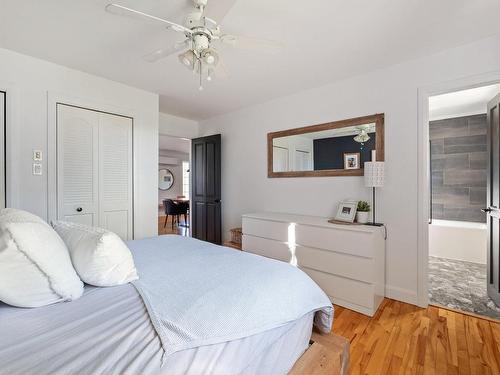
point(11, 137)
point(190, 167)
point(55, 98)
point(424, 92)
point(3, 147)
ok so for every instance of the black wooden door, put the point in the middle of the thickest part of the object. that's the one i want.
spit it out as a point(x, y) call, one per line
point(493, 200)
point(206, 183)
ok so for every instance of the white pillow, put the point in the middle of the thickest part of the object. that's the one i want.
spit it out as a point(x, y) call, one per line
point(19, 216)
point(99, 256)
point(35, 267)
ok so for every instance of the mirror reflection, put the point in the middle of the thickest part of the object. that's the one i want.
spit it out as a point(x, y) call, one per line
point(345, 148)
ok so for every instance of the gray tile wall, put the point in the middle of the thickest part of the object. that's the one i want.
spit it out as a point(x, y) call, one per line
point(458, 168)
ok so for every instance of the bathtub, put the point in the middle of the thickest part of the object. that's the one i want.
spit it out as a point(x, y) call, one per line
point(459, 240)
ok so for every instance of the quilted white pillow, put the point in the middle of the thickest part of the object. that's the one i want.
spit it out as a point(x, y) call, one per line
point(99, 256)
point(35, 267)
point(19, 216)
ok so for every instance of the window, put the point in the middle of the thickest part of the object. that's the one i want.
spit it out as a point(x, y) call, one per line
point(185, 179)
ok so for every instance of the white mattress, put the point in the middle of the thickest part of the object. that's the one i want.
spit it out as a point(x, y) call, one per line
point(108, 331)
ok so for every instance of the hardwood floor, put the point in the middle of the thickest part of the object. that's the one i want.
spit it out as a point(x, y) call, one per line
point(182, 231)
point(405, 339)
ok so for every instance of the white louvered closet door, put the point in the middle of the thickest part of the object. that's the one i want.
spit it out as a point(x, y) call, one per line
point(115, 174)
point(95, 169)
point(77, 165)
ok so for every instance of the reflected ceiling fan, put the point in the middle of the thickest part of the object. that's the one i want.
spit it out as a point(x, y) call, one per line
point(200, 34)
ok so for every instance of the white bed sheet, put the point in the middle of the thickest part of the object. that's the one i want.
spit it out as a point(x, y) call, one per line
point(108, 331)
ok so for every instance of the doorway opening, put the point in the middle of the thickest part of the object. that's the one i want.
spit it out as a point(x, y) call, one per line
point(458, 185)
point(174, 185)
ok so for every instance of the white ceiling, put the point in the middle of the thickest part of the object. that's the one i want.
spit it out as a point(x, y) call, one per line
point(168, 143)
point(340, 132)
point(462, 103)
point(325, 40)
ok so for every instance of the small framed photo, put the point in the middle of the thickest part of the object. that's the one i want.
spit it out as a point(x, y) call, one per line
point(346, 211)
point(352, 160)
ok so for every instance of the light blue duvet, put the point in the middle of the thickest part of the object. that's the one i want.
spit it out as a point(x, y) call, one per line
point(200, 294)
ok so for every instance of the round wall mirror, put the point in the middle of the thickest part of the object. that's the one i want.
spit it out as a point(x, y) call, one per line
point(165, 179)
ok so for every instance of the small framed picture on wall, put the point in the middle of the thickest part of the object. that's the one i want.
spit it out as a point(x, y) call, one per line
point(352, 160)
point(346, 211)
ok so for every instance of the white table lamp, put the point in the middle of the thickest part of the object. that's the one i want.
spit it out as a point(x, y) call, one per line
point(374, 178)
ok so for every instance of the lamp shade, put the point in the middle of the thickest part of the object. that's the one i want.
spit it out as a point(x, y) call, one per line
point(374, 173)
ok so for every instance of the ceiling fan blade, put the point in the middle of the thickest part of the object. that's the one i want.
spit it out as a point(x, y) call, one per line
point(121, 10)
point(245, 42)
point(221, 71)
point(217, 9)
point(162, 53)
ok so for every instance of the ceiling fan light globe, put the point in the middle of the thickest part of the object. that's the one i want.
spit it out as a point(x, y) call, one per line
point(209, 59)
point(187, 59)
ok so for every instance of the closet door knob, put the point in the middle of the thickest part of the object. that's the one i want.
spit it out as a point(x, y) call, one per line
point(79, 209)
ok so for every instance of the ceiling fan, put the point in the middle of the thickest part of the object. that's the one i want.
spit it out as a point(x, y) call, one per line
point(200, 34)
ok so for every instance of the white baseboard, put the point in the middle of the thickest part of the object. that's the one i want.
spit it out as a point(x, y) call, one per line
point(400, 294)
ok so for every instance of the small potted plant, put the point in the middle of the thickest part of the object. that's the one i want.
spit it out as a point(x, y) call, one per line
point(362, 214)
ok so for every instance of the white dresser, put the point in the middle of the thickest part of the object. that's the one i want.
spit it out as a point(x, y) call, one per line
point(346, 261)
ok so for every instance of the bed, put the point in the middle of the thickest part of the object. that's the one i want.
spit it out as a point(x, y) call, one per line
point(112, 331)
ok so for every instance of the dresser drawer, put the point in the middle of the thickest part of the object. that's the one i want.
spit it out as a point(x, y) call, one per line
point(356, 292)
point(345, 265)
point(344, 241)
point(265, 247)
point(346, 261)
point(267, 229)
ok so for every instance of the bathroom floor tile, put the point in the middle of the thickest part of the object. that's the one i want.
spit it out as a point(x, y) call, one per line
point(460, 285)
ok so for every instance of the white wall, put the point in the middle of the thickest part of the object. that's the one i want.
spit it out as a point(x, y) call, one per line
point(461, 103)
point(178, 126)
point(29, 83)
point(392, 91)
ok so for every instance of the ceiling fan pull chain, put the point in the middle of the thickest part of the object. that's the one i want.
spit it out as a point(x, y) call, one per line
point(201, 75)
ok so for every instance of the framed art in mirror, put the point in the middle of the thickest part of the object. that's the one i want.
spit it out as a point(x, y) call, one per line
point(337, 148)
point(165, 179)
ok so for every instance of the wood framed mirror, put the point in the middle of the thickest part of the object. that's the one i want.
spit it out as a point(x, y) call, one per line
point(337, 148)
